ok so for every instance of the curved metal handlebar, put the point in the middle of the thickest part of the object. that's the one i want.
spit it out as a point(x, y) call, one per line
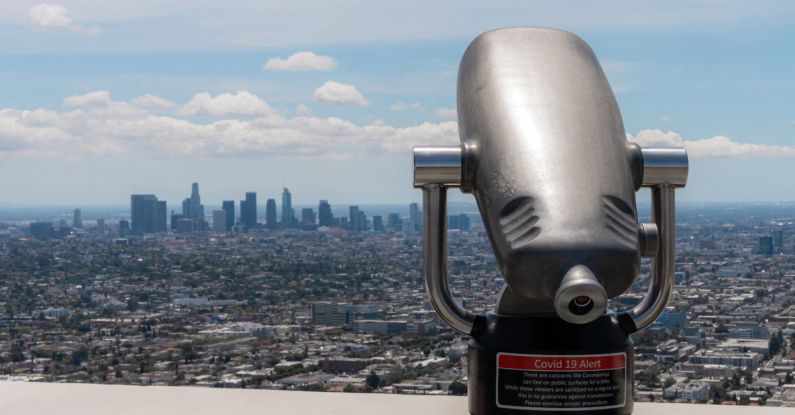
point(664, 169)
point(436, 169)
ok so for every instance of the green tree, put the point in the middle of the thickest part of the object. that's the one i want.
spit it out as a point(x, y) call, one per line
point(458, 388)
point(373, 380)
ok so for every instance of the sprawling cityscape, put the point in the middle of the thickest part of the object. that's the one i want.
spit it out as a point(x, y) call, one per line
point(324, 301)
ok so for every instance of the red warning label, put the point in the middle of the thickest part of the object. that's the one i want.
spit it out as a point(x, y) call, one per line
point(563, 383)
point(561, 363)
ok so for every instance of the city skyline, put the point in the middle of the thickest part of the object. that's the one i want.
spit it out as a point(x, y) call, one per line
point(88, 116)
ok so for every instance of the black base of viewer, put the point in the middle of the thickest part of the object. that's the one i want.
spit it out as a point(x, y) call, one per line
point(549, 366)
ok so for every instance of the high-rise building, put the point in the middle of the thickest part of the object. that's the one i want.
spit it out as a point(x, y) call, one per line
point(185, 225)
point(175, 217)
point(766, 245)
point(101, 225)
point(362, 225)
point(324, 214)
point(228, 206)
point(270, 214)
point(308, 218)
point(353, 219)
point(219, 221)
point(287, 208)
point(778, 240)
point(463, 222)
point(378, 223)
point(414, 218)
point(148, 214)
point(248, 211)
point(77, 219)
point(394, 222)
point(124, 227)
point(452, 222)
point(192, 207)
point(42, 230)
point(161, 217)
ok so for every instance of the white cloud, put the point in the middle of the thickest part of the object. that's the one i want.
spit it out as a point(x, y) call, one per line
point(717, 146)
point(446, 113)
point(49, 15)
point(338, 93)
point(152, 101)
point(301, 61)
point(91, 99)
point(54, 16)
point(404, 106)
point(94, 124)
point(239, 103)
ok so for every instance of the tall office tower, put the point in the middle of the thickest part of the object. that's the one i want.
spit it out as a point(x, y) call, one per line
point(101, 225)
point(148, 214)
point(124, 227)
point(270, 214)
point(219, 221)
point(378, 223)
point(324, 214)
point(161, 217)
point(243, 213)
point(463, 222)
point(77, 219)
point(192, 207)
point(250, 220)
point(414, 218)
point(778, 241)
point(766, 245)
point(287, 208)
point(308, 218)
point(228, 206)
point(362, 222)
point(394, 222)
point(452, 222)
point(353, 219)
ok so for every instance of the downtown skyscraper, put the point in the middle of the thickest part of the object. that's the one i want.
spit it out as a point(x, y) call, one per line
point(287, 208)
point(148, 214)
point(192, 207)
point(270, 215)
point(248, 211)
point(324, 214)
point(228, 206)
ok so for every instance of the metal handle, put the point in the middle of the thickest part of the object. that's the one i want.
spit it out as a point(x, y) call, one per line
point(664, 169)
point(436, 169)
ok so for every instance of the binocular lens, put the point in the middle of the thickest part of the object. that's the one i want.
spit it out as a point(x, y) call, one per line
point(581, 305)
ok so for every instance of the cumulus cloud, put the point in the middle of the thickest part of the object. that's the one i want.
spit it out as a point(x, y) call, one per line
point(341, 94)
point(152, 101)
point(301, 61)
point(717, 146)
point(54, 16)
point(95, 124)
point(446, 113)
point(405, 106)
point(239, 103)
point(91, 99)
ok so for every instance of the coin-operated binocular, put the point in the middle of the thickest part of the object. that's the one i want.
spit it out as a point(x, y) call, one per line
point(544, 152)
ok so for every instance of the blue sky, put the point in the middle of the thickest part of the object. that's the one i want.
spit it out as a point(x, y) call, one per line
point(102, 99)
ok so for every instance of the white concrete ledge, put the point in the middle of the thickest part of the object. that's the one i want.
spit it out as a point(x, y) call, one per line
point(20, 398)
